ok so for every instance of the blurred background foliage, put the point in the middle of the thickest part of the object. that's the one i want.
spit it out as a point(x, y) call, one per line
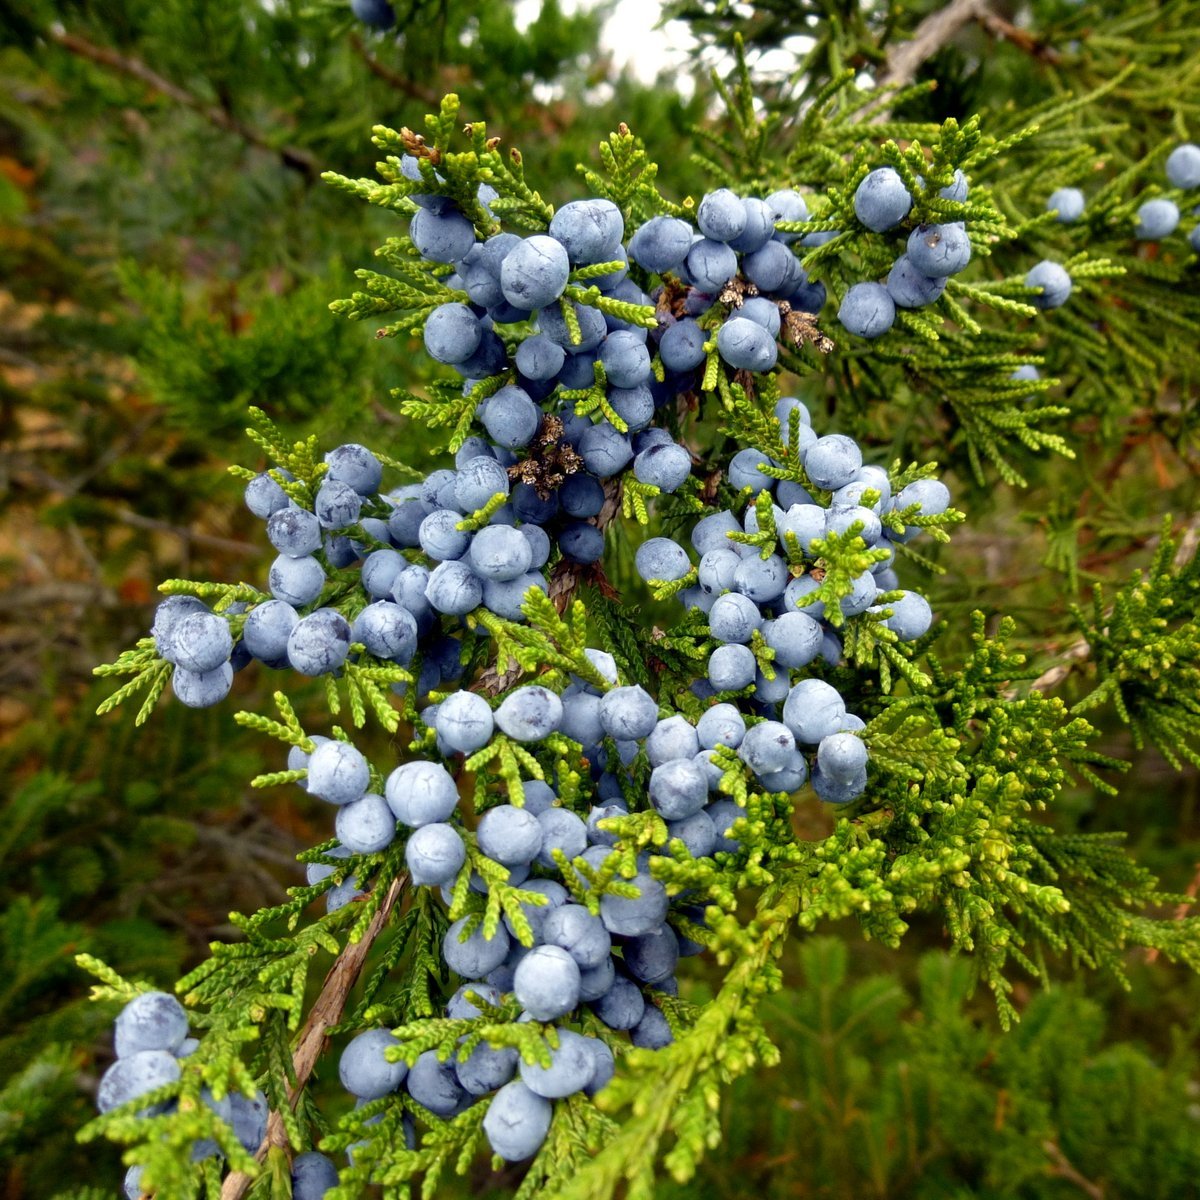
point(167, 254)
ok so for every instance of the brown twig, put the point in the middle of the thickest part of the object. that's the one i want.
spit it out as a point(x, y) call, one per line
point(325, 1013)
point(1062, 1167)
point(941, 27)
point(1181, 911)
point(392, 78)
point(907, 58)
point(292, 156)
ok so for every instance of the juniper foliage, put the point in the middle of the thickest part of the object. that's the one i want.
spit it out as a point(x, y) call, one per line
point(967, 756)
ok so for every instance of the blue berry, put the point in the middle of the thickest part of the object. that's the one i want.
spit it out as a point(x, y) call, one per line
point(1068, 202)
point(881, 200)
point(1054, 282)
point(364, 1071)
point(746, 345)
point(434, 854)
point(661, 244)
point(1183, 166)
point(517, 1121)
point(867, 310)
point(365, 826)
point(534, 272)
point(1157, 219)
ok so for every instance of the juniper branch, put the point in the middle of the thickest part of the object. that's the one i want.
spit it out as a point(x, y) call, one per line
point(326, 1012)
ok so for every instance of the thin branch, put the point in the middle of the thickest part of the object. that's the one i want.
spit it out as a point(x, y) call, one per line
point(938, 29)
point(325, 1013)
point(392, 78)
point(1181, 911)
point(292, 156)
point(1062, 1167)
point(1006, 31)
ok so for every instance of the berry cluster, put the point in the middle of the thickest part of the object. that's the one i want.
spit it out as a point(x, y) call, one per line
point(556, 912)
point(151, 1036)
point(1158, 217)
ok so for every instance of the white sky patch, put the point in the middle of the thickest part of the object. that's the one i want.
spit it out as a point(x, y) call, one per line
point(630, 36)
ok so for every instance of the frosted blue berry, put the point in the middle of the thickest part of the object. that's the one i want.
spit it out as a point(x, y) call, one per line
point(534, 272)
point(678, 788)
point(911, 616)
point(294, 531)
point(151, 1021)
point(1068, 202)
point(711, 265)
point(721, 215)
point(682, 346)
point(762, 312)
point(435, 854)
point(356, 465)
point(589, 230)
point(546, 983)
point(517, 1121)
point(813, 710)
point(744, 471)
point(319, 643)
point(721, 725)
point(909, 288)
point(767, 747)
point(441, 237)
point(561, 830)
point(628, 713)
point(464, 722)
point(842, 757)
point(134, 1075)
point(454, 589)
point(338, 773)
point(364, 1071)
point(572, 928)
point(746, 345)
point(509, 835)
point(661, 244)
point(787, 205)
point(475, 956)
point(200, 642)
point(581, 543)
point(530, 713)
point(387, 630)
point(734, 618)
point(629, 916)
point(867, 310)
point(696, 833)
point(204, 689)
point(663, 466)
point(264, 496)
point(772, 268)
point(832, 461)
point(652, 957)
point(762, 580)
point(795, 637)
point(312, 1176)
point(571, 1066)
point(622, 1006)
point(1157, 219)
point(758, 228)
point(365, 826)
point(434, 1084)
point(881, 200)
point(1054, 282)
point(652, 1032)
point(605, 451)
point(511, 417)
point(939, 250)
point(1183, 166)
point(420, 793)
